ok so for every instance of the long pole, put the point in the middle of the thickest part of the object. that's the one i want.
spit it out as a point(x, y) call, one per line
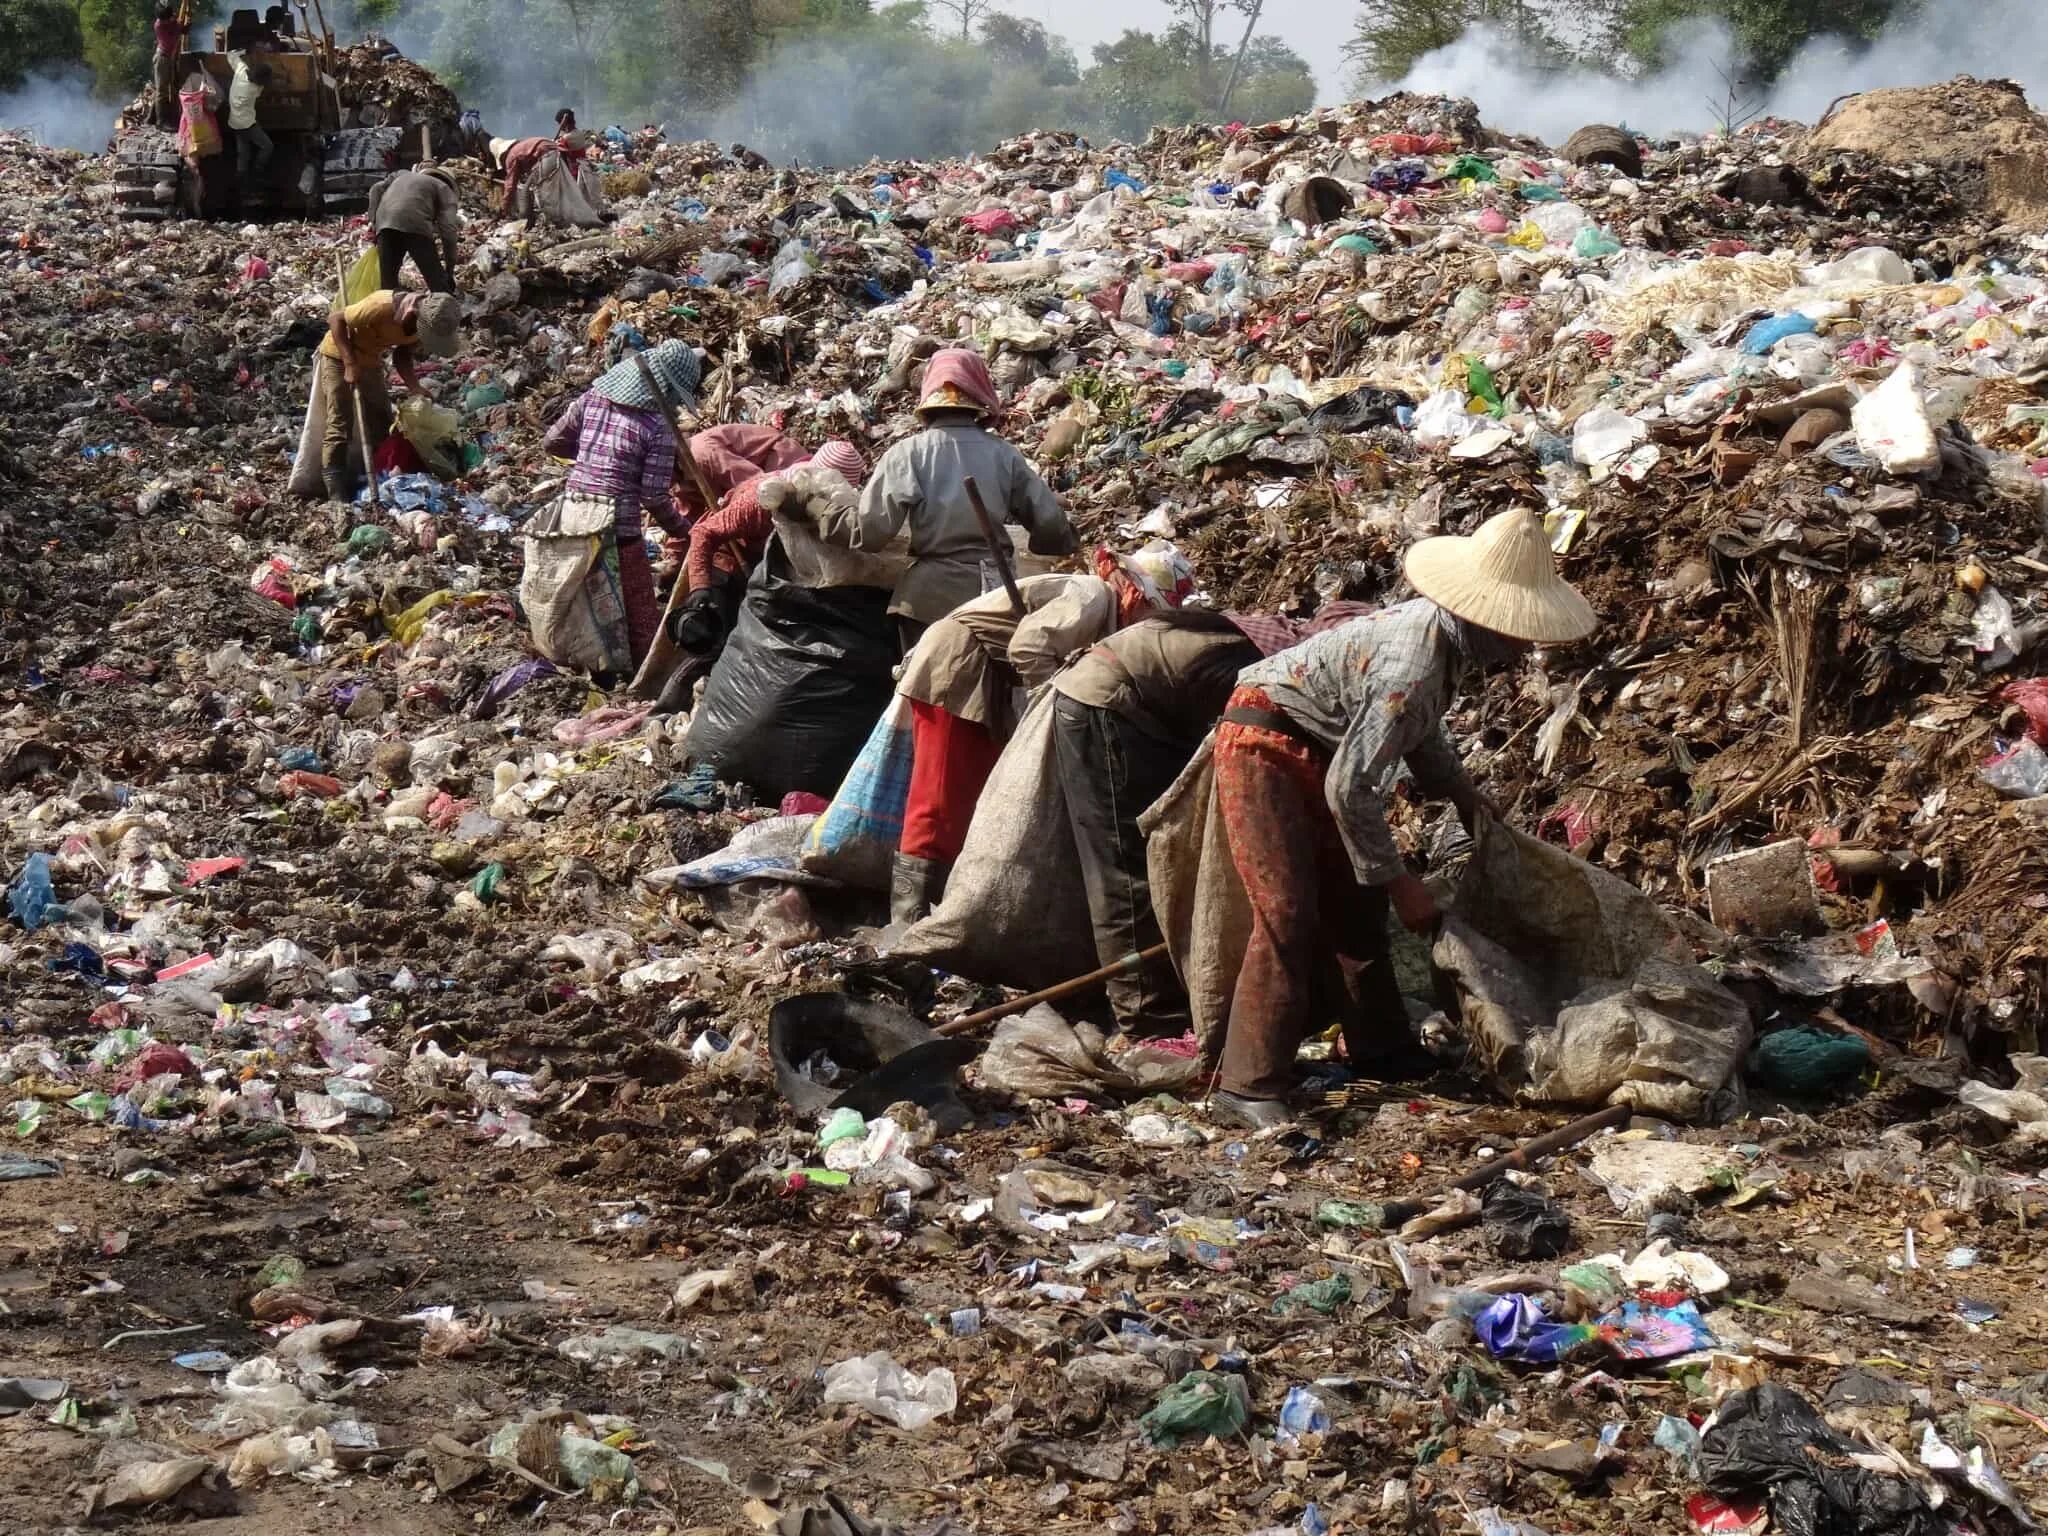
point(998, 546)
point(660, 660)
point(355, 393)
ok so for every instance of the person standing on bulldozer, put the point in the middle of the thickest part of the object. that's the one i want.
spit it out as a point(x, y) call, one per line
point(410, 211)
point(351, 365)
point(170, 42)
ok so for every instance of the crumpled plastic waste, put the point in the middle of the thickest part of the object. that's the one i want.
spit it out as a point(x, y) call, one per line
point(879, 1385)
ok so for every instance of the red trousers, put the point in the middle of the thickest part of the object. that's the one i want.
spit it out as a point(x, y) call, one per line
point(1318, 948)
point(951, 761)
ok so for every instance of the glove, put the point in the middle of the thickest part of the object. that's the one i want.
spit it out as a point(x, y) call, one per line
point(698, 625)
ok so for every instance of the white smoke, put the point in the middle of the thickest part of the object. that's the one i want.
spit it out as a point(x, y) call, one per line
point(1992, 39)
point(59, 109)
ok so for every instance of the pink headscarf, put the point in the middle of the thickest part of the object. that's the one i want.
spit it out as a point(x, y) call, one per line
point(963, 371)
point(842, 456)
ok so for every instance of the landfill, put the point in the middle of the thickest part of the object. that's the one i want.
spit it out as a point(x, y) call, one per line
point(400, 1141)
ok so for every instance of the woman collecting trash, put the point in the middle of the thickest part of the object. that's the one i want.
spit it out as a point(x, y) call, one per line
point(588, 588)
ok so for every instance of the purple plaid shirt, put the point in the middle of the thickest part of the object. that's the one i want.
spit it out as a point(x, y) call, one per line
point(624, 455)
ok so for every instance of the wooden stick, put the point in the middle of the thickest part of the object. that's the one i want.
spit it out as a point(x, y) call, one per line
point(661, 657)
point(1567, 1135)
point(998, 548)
point(1122, 967)
point(355, 392)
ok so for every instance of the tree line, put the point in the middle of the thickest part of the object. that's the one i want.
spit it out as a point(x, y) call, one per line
point(820, 80)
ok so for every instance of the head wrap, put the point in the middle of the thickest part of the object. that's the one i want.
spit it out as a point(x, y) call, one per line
point(1157, 576)
point(676, 369)
point(843, 457)
point(958, 380)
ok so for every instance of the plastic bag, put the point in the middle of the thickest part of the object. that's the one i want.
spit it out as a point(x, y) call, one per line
point(432, 430)
point(799, 685)
point(881, 1386)
point(1041, 1055)
point(2019, 770)
point(1770, 1440)
point(1200, 1404)
point(1604, 433)
point(1522, 1224)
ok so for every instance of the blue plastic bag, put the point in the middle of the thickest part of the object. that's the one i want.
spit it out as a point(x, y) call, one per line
point(32, 895)
point(1766, 334)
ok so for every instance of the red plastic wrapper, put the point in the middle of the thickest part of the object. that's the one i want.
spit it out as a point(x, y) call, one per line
point(1709, 1514)
point(2031, 695)
point(319, 785)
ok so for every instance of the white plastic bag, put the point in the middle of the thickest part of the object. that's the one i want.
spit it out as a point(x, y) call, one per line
point(881, 1386)
point(1604, 433)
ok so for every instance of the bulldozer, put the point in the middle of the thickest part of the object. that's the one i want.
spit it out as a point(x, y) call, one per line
point(339, 120)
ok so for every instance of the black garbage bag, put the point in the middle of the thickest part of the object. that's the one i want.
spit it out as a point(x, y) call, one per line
point(1769, 1439)
point(799, 685)
point(1521, 1224)
point(1358, 409)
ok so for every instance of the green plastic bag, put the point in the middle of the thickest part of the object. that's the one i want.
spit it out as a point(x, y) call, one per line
point(1357, 245)
point(1324, 1296)
point(485, 886)
point(1200, 1404)
point(1471, 168)
point(1347, 1213)
point(1480, 381)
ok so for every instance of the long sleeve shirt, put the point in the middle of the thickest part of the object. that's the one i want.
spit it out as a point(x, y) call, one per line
point(971, 662)
point(1373, 692)
point(732, 455)
point(622, 454)
point(732, 538)
point(415, 203)
point(243, 94)
point(922, 481)
point(1169, 681)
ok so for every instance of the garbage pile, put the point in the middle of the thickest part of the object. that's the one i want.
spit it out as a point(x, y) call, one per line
point(396, 1119)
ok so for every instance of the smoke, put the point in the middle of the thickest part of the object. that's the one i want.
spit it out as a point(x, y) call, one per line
point(1989, 39)
point(59, 109)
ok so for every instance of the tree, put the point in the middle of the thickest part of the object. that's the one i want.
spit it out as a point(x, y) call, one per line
point(1275, 82)
point(36, 36)
point(115, 38)
point(1393, 35)
point(1025, 48)
point(1201, 20)
point(966, 12)
point(1768, 33)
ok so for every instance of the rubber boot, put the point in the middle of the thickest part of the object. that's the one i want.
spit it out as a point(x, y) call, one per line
point(915, 887)
point(339, 487)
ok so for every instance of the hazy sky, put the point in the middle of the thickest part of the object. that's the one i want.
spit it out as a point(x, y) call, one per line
point(1316, 28)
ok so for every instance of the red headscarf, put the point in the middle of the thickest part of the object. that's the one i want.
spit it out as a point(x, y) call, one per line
point(964, 371)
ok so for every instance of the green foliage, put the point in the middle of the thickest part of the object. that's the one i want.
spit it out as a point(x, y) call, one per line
point(116, 42)
point(37, 35)
point(1767, 32)
point(1394, 34)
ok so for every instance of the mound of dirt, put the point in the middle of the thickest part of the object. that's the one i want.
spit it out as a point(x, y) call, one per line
point(1981, 130)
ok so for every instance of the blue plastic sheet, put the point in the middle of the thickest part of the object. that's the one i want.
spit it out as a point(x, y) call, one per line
point(32, 895)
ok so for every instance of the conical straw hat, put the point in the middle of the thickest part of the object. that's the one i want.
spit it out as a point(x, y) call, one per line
point(1501, 578)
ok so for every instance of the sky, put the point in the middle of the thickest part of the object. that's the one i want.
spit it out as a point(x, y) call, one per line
point(1317, 29)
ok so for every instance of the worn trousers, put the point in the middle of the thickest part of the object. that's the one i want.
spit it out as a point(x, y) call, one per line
point(1318, 947)
point(951, 760)
point(339, 400)
point(1110, 772)
point(394, 245)
point(253, 150)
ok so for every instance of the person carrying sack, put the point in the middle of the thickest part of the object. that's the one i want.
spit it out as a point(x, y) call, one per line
point(588, 588)
point(1303, 756)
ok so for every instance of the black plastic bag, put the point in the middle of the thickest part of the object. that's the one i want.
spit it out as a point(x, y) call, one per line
point(1770, 1439)
point(1522, 1224)
point(1358, 409)
point(799, 685)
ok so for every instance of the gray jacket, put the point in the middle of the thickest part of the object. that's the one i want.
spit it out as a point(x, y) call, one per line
point(415, 203)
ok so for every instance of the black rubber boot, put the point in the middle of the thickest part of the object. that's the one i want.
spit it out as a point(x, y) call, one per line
point(915, 887)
